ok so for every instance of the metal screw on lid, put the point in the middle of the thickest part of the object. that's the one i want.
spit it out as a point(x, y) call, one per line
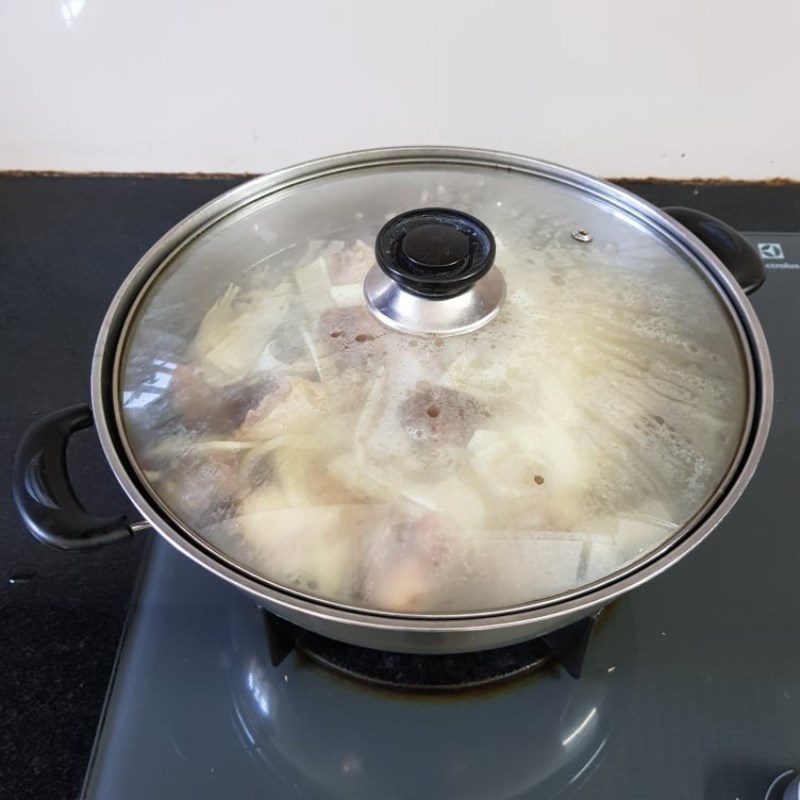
point(435, 273)
point(582, 235)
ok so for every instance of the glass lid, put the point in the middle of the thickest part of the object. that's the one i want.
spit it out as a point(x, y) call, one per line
point(526, 391)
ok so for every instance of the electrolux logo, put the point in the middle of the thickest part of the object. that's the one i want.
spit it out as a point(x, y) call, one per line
point(771, 250)
point(778, 251)
point(774, 254)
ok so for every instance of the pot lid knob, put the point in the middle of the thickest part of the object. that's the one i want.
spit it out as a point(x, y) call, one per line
point(435, 253)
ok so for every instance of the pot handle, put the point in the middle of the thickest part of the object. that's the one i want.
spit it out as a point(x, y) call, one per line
point(727, 244)
point(43, 492)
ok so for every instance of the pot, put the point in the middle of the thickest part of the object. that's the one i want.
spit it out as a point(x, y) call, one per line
point(423, 399)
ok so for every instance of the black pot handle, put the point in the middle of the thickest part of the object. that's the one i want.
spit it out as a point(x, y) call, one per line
point(728, 245)
point(43, 493)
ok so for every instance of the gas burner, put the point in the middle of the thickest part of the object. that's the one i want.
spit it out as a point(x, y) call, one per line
point(450, 672)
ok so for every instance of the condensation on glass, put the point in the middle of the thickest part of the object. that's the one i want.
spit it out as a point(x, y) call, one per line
point(276, 419)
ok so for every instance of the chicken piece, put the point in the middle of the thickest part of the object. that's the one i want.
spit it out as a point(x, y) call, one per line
point(403, 586)
point(203, 489)
point(405, 565)
point(256, 469)
point(266, 406)
point(314, 548)
point(411, 431)
point(302, 406)
point(354, 338)
point(205, 408)
point(540, 476)
point(441, 416)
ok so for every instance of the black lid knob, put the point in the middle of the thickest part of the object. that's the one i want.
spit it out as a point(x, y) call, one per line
point(435, 252)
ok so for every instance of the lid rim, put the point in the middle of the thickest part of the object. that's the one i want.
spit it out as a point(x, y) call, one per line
point(123, 307)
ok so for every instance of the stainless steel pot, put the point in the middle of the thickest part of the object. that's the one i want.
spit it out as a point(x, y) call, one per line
point(52, 513)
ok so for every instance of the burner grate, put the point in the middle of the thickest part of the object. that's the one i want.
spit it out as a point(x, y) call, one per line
point(448, 672)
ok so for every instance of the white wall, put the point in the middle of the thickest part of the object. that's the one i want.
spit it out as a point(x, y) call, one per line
point(673, 88)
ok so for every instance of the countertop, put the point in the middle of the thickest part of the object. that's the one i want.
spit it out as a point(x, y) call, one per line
point(66, 243)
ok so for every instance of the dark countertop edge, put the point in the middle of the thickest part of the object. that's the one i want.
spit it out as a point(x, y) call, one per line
point(650, 180)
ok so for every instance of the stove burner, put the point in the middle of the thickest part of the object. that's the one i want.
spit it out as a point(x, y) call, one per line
point(449, 672)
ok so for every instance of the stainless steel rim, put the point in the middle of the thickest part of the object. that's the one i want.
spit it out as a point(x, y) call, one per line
point(112, 333)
